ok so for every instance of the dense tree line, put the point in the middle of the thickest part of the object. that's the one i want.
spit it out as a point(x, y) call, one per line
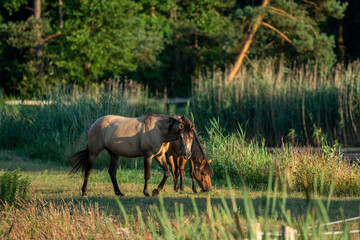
point(163, 43)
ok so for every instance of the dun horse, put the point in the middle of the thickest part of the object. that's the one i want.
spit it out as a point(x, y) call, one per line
point(146, 136)
point(200, 168)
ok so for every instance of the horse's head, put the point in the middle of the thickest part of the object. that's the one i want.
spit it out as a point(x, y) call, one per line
point(186, 135)
point(186, 138)
point(202, 173)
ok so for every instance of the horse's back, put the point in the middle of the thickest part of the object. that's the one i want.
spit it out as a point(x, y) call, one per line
point(129, 137)
point(118, 134)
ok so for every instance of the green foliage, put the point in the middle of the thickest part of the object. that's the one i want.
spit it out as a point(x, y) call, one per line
point(161, 43)
point(301, 23)
point(13, 187)
point(106, 37)
point(11, 6)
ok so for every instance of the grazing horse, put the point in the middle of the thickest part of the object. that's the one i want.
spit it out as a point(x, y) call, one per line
point(200, 168)
point(146, 136)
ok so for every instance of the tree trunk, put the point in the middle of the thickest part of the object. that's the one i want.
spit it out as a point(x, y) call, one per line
point(245, 47)
point(61, 18)
point(37, 28)
point(341, 42)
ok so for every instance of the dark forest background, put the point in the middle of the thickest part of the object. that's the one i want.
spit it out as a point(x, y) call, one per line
point(163, 44)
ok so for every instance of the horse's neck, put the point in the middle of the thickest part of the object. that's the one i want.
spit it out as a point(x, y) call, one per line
point(166, 131)
point(171, 134)
point(198, 153)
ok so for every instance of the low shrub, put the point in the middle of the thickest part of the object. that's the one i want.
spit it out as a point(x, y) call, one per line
point(13, 187)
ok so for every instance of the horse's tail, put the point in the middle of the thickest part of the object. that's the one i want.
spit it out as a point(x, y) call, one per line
point(79, 160)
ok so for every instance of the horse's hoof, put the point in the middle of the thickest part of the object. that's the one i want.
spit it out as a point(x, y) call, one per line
point(194, 190)
point(176, 188)
point(121, 195)
point(155, 193)
point(146, 194)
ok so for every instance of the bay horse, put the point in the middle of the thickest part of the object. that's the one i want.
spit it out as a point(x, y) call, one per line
point(200, 168)
point(147, 136)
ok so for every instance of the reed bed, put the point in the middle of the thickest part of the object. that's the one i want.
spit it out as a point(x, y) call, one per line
point(272, 101)
point(296, 168)
point(55, 131)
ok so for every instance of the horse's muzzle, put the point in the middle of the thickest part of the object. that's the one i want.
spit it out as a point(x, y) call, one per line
point(206, 190)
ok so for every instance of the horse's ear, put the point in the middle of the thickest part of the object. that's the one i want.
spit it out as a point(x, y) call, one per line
point(203, 162)
point(192, 127)
point(181, 126)
point(210, 160)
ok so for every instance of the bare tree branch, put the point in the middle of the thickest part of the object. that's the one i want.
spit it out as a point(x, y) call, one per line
point(51, 36)
point(277, 31)
point(282, 13)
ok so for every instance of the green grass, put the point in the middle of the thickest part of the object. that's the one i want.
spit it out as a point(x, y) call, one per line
point(324, 171)
point(57, 199)
point(52, 181)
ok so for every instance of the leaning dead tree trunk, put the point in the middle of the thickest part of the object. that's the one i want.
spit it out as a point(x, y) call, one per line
point(246, 46)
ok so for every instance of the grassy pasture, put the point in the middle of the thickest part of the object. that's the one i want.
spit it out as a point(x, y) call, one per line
point(56, 199)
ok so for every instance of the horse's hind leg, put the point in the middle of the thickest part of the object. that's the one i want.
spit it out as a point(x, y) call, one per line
point(88, 168)
point(114, 163)
point(86, 177)
point(162, 162)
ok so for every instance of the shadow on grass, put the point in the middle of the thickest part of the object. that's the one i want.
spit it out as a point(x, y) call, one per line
point(338, 210)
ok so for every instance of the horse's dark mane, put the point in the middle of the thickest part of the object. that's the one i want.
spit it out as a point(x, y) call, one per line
point(196, 150)
point(198, 154)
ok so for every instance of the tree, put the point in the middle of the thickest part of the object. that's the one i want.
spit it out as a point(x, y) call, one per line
point(292, 29)
point(105, 38)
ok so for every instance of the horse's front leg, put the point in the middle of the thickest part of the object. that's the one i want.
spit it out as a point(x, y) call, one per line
point(192, 176)
point(182, 162)
point(147, 167)
point(162, 162)
point(114, 163)
point(173, 169)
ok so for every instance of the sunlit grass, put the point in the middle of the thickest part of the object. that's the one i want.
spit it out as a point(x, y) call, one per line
point(57, 210)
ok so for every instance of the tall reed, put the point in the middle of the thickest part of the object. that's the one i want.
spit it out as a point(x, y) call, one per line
point(273, 101)
point(55, 131)
point(296, 168)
